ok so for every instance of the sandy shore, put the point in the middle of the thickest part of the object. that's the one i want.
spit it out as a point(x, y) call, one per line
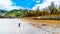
point(52, 23)
point(50, 26)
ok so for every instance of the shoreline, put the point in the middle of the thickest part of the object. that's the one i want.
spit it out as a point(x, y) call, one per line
point(9, 18)
point(38, 23)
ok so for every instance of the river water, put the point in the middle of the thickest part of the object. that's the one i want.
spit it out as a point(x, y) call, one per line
point(10, 26)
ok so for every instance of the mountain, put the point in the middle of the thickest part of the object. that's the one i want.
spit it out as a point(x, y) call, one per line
point(13, 13)
point(2, 12)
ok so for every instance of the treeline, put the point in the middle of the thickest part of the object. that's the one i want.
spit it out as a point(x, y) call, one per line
point(51, 10)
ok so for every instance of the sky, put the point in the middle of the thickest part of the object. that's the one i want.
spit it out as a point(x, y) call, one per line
point(26, 4)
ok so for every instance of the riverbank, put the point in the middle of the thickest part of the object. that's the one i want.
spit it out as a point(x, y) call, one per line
point(50, 26)
point(44, 21)
point(52, 23)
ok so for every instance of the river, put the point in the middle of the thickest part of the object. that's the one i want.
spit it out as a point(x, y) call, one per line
point(10, 26)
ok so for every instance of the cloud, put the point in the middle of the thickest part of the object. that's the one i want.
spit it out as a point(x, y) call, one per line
point(46, 3)
point(38, 1)
point(8, 5)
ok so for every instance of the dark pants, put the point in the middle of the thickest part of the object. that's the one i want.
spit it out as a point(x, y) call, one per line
point(19, 25)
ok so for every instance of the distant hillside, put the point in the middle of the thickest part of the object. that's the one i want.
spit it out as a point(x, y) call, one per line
point(13, 13)
point(2, 12)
